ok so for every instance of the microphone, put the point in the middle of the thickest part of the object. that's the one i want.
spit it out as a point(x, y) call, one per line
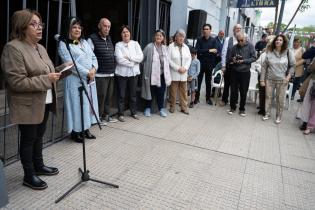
point(59, 37)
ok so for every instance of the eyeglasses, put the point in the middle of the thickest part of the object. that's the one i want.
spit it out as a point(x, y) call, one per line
point(36, 25)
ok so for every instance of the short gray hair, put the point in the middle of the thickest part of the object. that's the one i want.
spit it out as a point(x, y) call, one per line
point(180, 32)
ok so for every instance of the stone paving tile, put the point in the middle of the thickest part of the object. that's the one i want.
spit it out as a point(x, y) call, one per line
point(302, 198)
point(265, 171)
point(260, 193)
point(207, 160)
point(212, 196)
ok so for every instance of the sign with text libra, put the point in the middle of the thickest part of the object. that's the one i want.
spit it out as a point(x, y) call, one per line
point(256, 3)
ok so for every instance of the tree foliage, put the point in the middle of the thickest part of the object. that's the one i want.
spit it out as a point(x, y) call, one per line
point(305, 5)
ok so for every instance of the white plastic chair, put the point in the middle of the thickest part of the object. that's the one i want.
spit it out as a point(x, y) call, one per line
point(217, 86)
point(289, 95)
point(252, 89)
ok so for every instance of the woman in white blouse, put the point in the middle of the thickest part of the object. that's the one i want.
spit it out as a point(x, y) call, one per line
point(128, 55)
point(180, 60)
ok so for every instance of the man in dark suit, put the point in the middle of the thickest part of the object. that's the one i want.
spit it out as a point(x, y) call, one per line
point(207, 50)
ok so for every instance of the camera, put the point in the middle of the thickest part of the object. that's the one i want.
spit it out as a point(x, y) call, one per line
point(237, 58)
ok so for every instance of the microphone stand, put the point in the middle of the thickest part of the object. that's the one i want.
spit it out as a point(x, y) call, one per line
point(84, 173)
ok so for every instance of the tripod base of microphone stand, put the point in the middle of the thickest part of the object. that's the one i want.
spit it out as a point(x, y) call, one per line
point(84, 178)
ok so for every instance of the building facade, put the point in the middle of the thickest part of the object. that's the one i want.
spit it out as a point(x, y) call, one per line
point(142, 16)
point(221, 14)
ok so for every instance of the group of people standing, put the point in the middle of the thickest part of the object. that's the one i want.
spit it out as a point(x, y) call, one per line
point(31, 78)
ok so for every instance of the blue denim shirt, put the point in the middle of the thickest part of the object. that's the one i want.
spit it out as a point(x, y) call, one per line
point(194, 68)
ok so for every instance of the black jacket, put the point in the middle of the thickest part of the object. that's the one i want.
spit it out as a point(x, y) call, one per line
point(247, 52)
point(309, 54)
point(205, 57)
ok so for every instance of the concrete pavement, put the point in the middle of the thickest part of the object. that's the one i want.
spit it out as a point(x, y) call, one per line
point(207, 160)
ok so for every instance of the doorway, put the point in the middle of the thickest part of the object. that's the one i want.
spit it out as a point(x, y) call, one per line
point(90, 12)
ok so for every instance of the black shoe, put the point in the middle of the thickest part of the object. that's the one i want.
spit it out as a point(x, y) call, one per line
point(261, 112)
point(88, 135)
point(77, 137)
point(34, 182)
point(45, 170)
point(191, 105)
point(196, 101)
point(209, 102)
point(300, 100)
point(303, 126)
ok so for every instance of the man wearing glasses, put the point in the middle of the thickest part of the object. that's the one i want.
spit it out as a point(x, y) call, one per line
point(242, 55)
point(226, 51)
point(207, 50)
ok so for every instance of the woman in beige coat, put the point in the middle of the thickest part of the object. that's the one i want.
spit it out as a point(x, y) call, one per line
point(31, 88)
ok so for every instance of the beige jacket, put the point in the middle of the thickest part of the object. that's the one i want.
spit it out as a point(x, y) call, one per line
point(299, 67)
point(27, 80)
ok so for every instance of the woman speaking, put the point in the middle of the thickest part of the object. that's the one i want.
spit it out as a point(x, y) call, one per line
point(31, 90)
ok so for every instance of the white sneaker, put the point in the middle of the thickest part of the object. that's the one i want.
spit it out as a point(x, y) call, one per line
point(266, 117)
point(278, 120)
point(231, 111)
point(242, 113)
point(103, 123)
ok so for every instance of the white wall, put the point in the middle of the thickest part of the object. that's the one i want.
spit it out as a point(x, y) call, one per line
point(178, 15)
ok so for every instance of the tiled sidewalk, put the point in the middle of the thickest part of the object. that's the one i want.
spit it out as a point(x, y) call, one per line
point(207, 160)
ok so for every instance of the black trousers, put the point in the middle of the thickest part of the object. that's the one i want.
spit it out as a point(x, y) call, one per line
point(125, 83)
point(31, 144)
point(205, 69)
point(296, 85)
point(227, 83)
point(159, 93)
point(239, 82)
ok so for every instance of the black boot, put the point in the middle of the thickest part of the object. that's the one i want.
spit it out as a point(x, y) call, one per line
point(34, 182)
point(45, 170)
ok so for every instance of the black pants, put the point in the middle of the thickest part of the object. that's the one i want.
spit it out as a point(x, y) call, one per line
point(239, 82)
point(227, 83)
point(206, 69)
point(31, 144)
point(296, 85)
point(123, 84)
point(105, 88)
point(159, 93)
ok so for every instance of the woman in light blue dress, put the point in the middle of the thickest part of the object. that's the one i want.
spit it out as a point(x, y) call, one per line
point(87, 65)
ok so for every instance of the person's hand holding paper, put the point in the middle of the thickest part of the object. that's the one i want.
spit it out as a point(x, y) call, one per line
point(64, 69)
